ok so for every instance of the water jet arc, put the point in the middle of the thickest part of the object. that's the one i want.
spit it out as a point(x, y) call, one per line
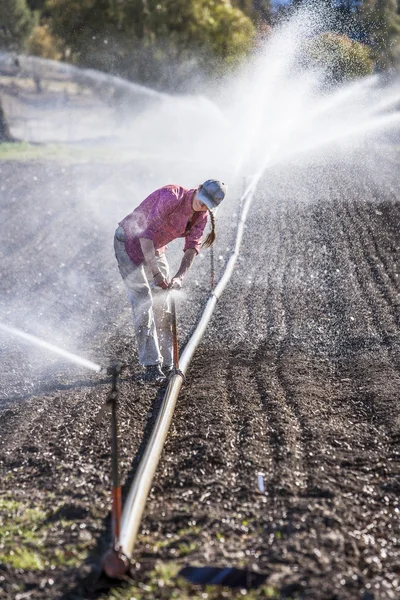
point(39, 343)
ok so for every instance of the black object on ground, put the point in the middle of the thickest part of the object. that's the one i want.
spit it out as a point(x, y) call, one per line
point(228, 576)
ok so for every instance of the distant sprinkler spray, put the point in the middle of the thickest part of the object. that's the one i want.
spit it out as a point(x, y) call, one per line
point(42, 344)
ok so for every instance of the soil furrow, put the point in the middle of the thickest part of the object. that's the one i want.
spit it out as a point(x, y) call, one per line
point(385, 299)
point(283, 454)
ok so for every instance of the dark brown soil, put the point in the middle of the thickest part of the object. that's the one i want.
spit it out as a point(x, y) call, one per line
point(283, 455)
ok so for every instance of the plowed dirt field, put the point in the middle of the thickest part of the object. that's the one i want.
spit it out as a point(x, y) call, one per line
point(283, 456)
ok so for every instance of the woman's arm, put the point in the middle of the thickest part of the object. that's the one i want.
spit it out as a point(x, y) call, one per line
point(149, 254)
point(192, 247)
point(186, 263)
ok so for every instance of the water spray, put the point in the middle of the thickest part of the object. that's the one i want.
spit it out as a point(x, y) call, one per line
point(35, 341)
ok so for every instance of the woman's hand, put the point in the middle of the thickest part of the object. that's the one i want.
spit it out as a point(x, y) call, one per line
point(176, 283)
point(161, 281)
point(188, 258)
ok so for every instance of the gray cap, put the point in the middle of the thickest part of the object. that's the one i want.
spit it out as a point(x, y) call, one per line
point(211, 193)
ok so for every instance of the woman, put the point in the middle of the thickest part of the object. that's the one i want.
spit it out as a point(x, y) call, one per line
point(140, 242)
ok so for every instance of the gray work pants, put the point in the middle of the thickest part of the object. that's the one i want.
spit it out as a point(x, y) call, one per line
point(150, 306)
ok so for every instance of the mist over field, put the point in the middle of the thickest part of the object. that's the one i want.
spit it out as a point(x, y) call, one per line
point(272, 113)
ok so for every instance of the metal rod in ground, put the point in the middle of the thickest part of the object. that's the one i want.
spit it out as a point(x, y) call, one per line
point(212, 268)
point(116, 490)
point(174, 334)
point(114, 562)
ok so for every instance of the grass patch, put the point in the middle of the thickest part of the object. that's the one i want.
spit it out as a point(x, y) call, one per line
point(25, 539)
point(177, 545)
point(24, 151)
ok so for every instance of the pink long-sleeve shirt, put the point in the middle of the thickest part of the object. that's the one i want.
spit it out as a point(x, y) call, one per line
point(163, 216)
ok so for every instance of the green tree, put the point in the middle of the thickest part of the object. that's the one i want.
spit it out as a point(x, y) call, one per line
point(36, 4)
point(189, 22)
point(381, 24)
point(16, 24)
point(258, 10)
point(262, 15)
point(341, 58)
point(377, 22)
point(137, 39)
point(42, 43)
point(211, 25)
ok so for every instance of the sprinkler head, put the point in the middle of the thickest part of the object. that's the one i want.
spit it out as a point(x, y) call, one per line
point(114, 563)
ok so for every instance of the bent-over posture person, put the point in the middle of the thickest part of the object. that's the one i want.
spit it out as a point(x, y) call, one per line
point(140, 243)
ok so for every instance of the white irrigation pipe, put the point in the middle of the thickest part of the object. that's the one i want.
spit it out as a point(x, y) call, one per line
point(135, 503)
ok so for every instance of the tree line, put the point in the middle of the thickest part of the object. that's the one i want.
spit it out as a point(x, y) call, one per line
point(166, 42)
point(375, 23)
